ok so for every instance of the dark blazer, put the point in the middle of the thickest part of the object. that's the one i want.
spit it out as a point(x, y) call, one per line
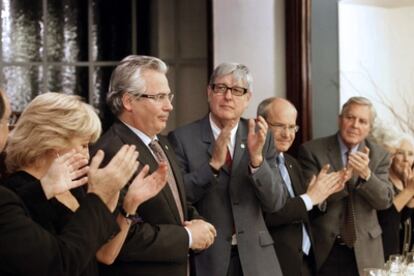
point(160, 245)
point(28, 249)
point(392, 225)
point(368, 197)
point(51, 214)
point(285, 225)
point(231, 202)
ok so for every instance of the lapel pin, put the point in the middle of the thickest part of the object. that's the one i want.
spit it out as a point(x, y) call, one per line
point(242, 146)
point(166, 147)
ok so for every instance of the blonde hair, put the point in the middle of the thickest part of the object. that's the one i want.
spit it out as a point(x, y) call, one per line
point(50, 122)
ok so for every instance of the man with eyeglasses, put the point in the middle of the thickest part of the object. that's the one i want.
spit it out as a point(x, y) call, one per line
point(347, 233)
point(140, 97)
point(230, 175)
point(290, 226)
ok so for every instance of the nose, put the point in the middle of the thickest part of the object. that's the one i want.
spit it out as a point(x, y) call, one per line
point(168, 105)
point(227, 94)
point(405, 156)
point(84, 150)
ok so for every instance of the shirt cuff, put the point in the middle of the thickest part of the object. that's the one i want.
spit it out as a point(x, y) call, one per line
point(308, 202)
point(253, 170)
point(190, 237)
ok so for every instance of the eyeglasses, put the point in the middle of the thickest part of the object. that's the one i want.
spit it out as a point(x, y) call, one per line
point(280, 127)
point(157, 97)
point(220, 88)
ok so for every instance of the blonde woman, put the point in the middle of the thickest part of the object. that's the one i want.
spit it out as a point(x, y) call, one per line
point(394, 220)
point(52, 125)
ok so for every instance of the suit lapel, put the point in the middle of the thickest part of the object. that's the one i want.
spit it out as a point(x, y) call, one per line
point(207, 135)
point(297, 186)
point(334, 154)
point(145, 157)
point(240, 146)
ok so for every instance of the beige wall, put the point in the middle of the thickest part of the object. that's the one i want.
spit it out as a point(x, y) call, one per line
point(252, 32)
point(245, 31)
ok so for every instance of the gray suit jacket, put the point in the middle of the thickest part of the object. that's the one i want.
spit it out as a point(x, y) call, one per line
point(368, 196)
point(238, 198)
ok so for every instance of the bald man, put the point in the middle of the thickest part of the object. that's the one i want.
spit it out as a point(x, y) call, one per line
point(289, 226)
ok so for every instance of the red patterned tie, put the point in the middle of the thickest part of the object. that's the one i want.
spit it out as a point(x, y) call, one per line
point(229, 161)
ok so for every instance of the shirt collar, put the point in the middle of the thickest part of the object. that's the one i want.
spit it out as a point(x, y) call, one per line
point(144, 138)
point(344, 149)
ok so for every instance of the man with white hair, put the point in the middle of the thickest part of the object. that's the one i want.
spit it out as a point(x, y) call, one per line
point(347, 234)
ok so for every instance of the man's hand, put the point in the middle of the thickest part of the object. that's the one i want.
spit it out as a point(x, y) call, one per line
point(105, 182)
point(144, 187)
point(256, 139)
point(202, 232)
point(65, 173)
point(359, 162)
point(325, 184)
point(220, 149)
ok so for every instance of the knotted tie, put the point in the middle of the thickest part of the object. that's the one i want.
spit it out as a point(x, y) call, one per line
point(348, 232)
point(306, 244)
point(160, 156)
point(229, 160)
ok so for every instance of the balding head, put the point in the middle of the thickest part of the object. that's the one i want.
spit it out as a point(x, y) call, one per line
point(281, 116)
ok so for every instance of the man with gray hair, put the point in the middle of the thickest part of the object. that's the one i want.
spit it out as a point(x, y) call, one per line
point(230, 175)
point(346, 233)
point(167, 227)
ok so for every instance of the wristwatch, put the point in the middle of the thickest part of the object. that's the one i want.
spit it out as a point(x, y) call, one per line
point(134, 218)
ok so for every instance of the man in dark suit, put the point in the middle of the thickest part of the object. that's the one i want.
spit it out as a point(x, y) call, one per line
point(289, 226)
point(139, 95)
point(28, 249)
point(347, 234)
point(230, 175)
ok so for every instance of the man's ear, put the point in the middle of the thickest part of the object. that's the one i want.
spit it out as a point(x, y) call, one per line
point(126, 101)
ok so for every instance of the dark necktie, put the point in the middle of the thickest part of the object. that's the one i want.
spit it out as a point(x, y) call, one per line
point(160, 156)
point(348, 232)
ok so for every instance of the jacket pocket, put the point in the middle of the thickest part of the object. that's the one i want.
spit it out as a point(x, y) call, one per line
point(265, 239)
point(375, 232)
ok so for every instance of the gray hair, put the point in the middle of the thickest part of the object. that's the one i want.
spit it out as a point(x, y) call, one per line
point(239, 72)
point(263, 107)
point(385, 136)
point(127, 78)
point(360, 101)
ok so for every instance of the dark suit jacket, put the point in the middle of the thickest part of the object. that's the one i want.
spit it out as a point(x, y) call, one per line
point(160, 245)
point(28, 249)
point(50, 214)
point(285, 225)
point(231, 202)
point(368, 197)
